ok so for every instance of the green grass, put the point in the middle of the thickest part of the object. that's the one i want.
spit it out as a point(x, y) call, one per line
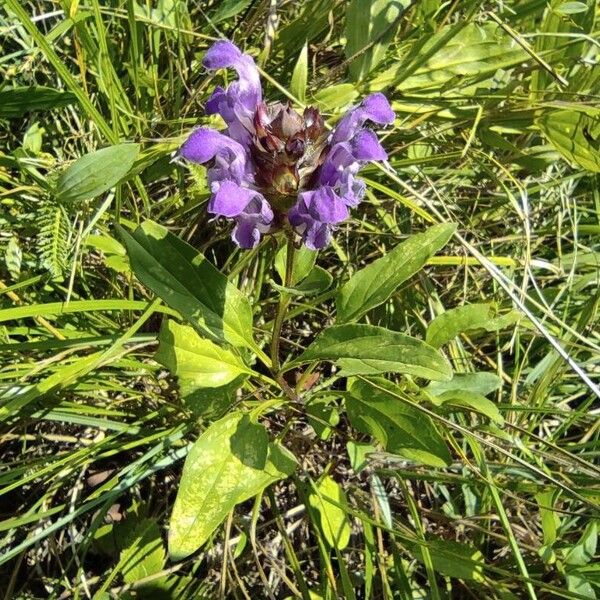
point(497, 130)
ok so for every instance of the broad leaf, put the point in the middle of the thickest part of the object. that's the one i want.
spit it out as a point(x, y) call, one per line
point(453, 559)
point(400, 428)
point(316, 282)
point(370, 27)
point(470, 400)
point(374, 284)
point(549, 518)
point(467, 318)
point(322, 414)
point(453, 58)
point(326, 500)
point(300, 75)
point(195, 361)
point(303, 263)
point(190, 284)
point(18, 101)
point(358, 454)
point(232, 461)
point(227, 9)
point(145, 555)
point(477, 383)
point(584, 550)
point(369, 350)
point(575, 133)
point(95, 173)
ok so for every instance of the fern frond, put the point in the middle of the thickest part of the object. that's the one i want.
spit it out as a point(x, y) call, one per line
point(53, 238)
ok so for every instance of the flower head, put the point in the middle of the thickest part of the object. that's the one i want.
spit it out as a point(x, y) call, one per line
point(274, 167)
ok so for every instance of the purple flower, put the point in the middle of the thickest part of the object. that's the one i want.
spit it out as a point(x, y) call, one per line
point(273, 167)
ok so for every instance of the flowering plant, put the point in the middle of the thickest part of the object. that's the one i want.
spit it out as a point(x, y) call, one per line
point(273, 167)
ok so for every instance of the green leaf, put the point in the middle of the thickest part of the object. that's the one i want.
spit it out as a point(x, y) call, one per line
point(467, 318)
point(228, 9)
point(232, 461)
point(304, 261)
point(374, 284)
point(369, 31)
point(571, 8)
point(369, 350)
point(95, 173)
point(550, 519)
point(16, 102)
point(579, 584)
point(584, 551)
point(453, 559)
point(300, 75)
point(332, 519)
point(358, 454)
point(336, 96)
point(575, 133)
point(317, 281)
point(190, 284)
point(145, 555)
point(472, 400)
point(195, 361)
point(322, 414)
point(400, 428)
point(453, 58)
point(477, 383)
point(13, 257)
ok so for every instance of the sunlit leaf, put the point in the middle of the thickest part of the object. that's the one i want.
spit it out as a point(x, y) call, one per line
point(374, 284)
point(95, 173)
point(468, 318)
point(328, 500)
point(232, 461)
point(400, 428)
point(369, 350)
point(575, 133)
point(190, 284)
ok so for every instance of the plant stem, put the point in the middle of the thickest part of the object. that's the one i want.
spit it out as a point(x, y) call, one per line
point(284, 301)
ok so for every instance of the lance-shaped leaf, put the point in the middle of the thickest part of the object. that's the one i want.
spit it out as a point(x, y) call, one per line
point(470, 317)
point(18, 101)
point(370, 350)
point(190, 284)
point(328, 500)
point(400, 428)
point(453, 559)
point(95, 173)
point(232, 461)
point(575, 133)
point(300, 75)
point(370, 28)
point(374, 284)
point(196, 361)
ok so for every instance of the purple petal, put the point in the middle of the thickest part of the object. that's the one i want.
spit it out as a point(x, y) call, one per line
point(375, 108)
point(244, 94)
point(339, 159)
point(325, 206)
point(217, 103)
point(260, 210)
point(352, 189)
point(230, 156)
point(230, 199)
point(366, 146)
point(204, 144)
point(245, 234)
point(317, 236)
point(255, 220)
